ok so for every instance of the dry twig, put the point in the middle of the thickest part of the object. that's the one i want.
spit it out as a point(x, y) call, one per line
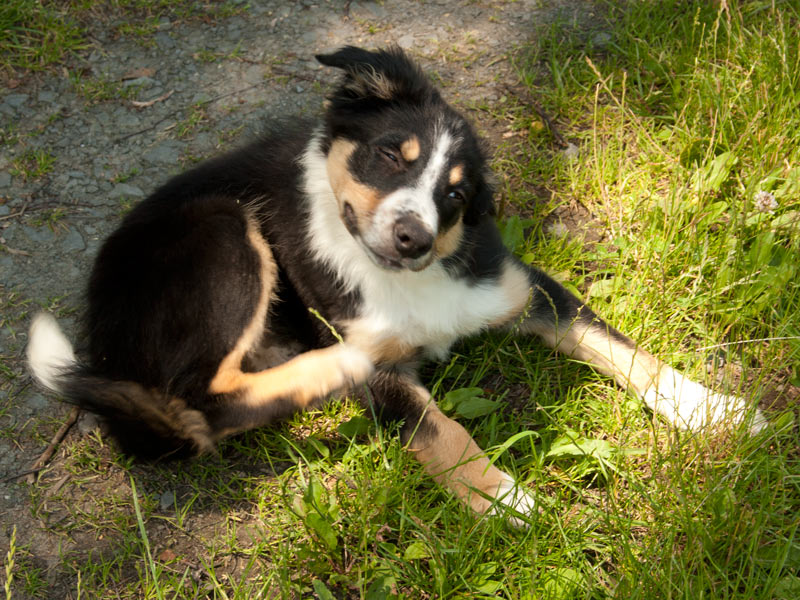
point(51, 447)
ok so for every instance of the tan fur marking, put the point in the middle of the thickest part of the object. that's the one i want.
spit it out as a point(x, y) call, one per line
point(456, 174)
point(192, 424)
point(380, 350)
point(410, 149)
point(448, 242)
point(231, 364)
point(372, 82)
point(453, 459)
point(362, 198)
point(631, 367)
point(304, 378)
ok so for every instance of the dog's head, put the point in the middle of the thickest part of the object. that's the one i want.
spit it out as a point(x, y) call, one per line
point(407, 170)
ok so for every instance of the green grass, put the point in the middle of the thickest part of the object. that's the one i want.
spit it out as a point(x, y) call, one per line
point(35, 35)
point(100, 89)
point(681, 119)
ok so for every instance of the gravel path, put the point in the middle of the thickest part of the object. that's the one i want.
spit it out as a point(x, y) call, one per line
point(144, 108)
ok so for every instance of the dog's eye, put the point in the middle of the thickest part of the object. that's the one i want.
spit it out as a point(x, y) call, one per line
point(389, 155)
point(456, 196)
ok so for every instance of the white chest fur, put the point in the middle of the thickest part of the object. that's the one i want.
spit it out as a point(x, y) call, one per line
point(428, 309)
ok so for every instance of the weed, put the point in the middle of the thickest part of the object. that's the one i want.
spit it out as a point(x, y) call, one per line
point(141, 30)
point(101, 89)
point(198, 115)
point(50, 218)
point(127, 176)
point(9, 135)
point(10, 562)
point(33, 164)
point(33, 35)
point(36, 35)
point(206, 56)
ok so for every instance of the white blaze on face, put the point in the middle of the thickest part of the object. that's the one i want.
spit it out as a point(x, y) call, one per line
point(417, 200)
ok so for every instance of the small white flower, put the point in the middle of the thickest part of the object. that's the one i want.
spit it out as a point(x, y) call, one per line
point(765, 202)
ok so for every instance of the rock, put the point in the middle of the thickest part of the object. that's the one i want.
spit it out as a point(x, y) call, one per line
point(571, 151)
point(72, 241)
point(36, 402)
point(165, 153)
point(5, 179)
point(87, 422)
point(46, 96)
point(144, 82)
point(407, 41)
point(126, 190)
point(164, 40)
point(601, 40)
point(16, 100)
point(39, 235)
point(167, 500)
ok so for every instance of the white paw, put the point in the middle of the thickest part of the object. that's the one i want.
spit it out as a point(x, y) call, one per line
point(689, 405)
point(511, 494)
point(356, 366)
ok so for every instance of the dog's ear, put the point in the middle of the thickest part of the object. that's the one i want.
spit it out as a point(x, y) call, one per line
point(383, 74)
point(481, 204)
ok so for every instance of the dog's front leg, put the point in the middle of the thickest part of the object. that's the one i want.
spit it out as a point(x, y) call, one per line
point(447, 451)
point(569, 326)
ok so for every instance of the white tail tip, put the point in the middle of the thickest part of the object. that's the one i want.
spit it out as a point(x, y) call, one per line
point(49, 351)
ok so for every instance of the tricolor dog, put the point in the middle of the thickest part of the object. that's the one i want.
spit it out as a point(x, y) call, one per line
point(380, 218)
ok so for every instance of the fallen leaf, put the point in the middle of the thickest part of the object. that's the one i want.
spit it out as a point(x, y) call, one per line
point(167, 555)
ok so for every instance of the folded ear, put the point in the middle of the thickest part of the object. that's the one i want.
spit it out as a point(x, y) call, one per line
point(384, 74)
point(481, 204)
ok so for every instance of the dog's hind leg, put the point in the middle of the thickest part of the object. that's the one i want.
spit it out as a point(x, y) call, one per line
point(569, 326)
point(446, 450)
point(251, 399)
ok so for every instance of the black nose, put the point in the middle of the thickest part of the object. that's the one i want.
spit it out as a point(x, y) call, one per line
point(411, 238)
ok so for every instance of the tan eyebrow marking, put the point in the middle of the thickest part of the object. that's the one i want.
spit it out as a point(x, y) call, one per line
point(410, 149)
point(456, 174)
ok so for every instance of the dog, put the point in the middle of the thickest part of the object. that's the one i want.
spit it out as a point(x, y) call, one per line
point(321, 257)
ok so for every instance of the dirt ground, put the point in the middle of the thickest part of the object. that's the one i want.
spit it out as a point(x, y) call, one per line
point(111, 124)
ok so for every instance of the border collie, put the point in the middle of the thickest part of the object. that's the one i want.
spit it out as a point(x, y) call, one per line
point(325, 256)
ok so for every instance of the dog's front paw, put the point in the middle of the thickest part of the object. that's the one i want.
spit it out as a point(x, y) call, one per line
point(355, 365)
point(690, 405)
point(512, 495)
point(336, 368)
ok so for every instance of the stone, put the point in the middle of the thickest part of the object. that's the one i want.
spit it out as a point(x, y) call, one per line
point(166, 500)
point(407, 41)
point(16, 100)
point(72, 241)
point(46, 96)
point(126, 190)
point(164, 40)
point(165, 153)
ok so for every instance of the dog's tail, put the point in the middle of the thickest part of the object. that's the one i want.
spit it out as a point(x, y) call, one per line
point(147, 423)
